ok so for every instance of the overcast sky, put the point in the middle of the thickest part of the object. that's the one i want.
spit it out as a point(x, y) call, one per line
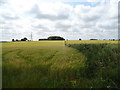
point(71, 19)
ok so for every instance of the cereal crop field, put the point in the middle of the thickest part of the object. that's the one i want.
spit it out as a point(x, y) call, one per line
point(60, 64)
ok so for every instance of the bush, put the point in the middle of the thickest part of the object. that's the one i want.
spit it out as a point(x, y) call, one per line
point(55, 38)
point(101, 62)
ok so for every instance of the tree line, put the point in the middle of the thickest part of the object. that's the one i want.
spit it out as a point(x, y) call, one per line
point(53, 38)
point(23, 39)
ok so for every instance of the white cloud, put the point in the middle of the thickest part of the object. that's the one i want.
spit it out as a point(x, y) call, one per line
point(44, 18)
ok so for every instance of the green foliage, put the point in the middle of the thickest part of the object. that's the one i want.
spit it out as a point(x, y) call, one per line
point(24, 39)
point(102, 62)
point(55, 38)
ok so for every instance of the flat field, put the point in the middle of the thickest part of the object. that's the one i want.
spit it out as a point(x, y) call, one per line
point(51, 64)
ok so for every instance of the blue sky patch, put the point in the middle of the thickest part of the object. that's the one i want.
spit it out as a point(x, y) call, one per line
point(92, 4)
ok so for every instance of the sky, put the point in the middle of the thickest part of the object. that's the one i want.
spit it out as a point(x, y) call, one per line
point(71, 19)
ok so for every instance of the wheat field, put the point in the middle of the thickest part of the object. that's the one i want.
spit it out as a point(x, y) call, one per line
point(52, 64)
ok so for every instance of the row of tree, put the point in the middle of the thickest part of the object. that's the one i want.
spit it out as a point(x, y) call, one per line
point(23, 39)
point(49, 38)
point(52, 38)
point(103, 39)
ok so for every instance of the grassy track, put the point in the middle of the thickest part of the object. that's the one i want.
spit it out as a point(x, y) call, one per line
point(51, 64)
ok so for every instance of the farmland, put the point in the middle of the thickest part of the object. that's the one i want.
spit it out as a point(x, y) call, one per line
point(51, 64)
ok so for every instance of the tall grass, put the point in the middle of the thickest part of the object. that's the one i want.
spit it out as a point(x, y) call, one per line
point(102, 64)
